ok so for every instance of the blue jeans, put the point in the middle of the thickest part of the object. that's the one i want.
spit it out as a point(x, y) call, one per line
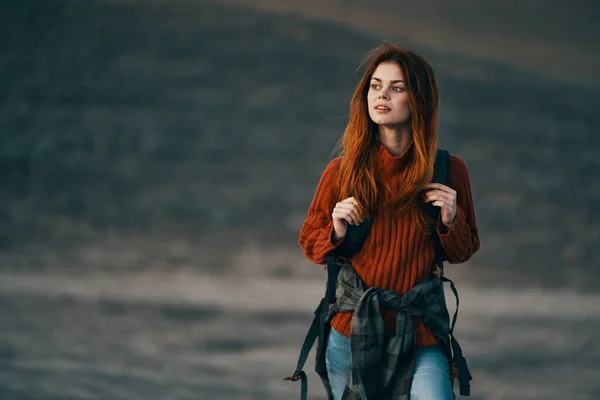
point(431, 377)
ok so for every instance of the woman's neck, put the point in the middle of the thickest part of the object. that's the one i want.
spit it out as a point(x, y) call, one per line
point(395, 139)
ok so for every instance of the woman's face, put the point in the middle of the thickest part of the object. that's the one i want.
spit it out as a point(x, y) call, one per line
point(387, 98)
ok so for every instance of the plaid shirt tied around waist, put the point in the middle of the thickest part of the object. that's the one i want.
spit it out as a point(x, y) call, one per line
point(382, 368)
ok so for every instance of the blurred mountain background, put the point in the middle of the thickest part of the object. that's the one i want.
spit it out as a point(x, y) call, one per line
point(209, 126)
point(157, 149)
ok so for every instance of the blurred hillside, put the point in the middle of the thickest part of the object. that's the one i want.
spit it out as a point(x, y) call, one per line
point(548, 36)
point(172, 134)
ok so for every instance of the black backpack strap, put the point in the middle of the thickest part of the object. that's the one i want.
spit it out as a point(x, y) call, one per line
point(353, 241)
point(441, 174)
point(309, 341)
point(460, 362)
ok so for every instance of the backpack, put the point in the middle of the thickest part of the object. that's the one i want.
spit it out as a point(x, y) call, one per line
point(353, 241)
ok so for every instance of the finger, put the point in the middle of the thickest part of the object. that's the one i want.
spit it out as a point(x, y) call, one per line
point(347, 206)
point(437, 195)
point(350, 208)
point(348, 215)
point(353, 203)
point(449, 195)
point(439, 186)
point(431, 191)
point(350, 220)
point(444, 206)
point(436, 192)
point(450, 192)
point(336, 215)
point(440, 204)
point(435, 186)
point(351, 200)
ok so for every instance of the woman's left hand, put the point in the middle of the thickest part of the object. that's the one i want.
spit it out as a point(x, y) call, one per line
point(444, 197)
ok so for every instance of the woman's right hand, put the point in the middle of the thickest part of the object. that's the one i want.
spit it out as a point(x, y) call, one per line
point(345, 212)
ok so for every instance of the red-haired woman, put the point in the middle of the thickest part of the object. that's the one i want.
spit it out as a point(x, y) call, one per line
point(386, 163)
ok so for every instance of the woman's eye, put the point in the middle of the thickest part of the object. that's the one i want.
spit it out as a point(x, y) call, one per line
point(374, 86)
point(398, 89)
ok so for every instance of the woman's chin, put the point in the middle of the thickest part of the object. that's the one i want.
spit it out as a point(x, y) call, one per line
point(388, 122)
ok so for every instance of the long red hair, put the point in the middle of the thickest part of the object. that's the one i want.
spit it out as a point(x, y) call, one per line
point(360, 141)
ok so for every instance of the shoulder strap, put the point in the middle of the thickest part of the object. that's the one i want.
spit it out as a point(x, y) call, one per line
point(440, 175)
point(353, 242)
point(441, 172)
point(354, 239)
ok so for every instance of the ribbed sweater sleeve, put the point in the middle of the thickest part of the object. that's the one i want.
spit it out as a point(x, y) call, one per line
point(462, 240)
point(316, 233)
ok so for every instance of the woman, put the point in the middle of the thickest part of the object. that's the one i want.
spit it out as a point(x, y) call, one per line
point(388, 152)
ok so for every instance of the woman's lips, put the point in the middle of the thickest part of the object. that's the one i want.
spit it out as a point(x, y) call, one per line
point(382, 109)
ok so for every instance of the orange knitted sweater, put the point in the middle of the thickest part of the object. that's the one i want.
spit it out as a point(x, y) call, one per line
point(395, 255)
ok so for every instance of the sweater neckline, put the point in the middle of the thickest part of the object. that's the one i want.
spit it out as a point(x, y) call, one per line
point(391, 164)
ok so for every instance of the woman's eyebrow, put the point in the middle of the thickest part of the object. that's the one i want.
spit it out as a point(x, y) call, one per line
point(394, 81)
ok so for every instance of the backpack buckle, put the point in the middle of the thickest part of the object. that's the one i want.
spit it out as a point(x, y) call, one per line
point(341, 261)
point(454, 373)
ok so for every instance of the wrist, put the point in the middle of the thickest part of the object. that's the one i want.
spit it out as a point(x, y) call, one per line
point(335, 237)
point(449, 225)
point(444, 227)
